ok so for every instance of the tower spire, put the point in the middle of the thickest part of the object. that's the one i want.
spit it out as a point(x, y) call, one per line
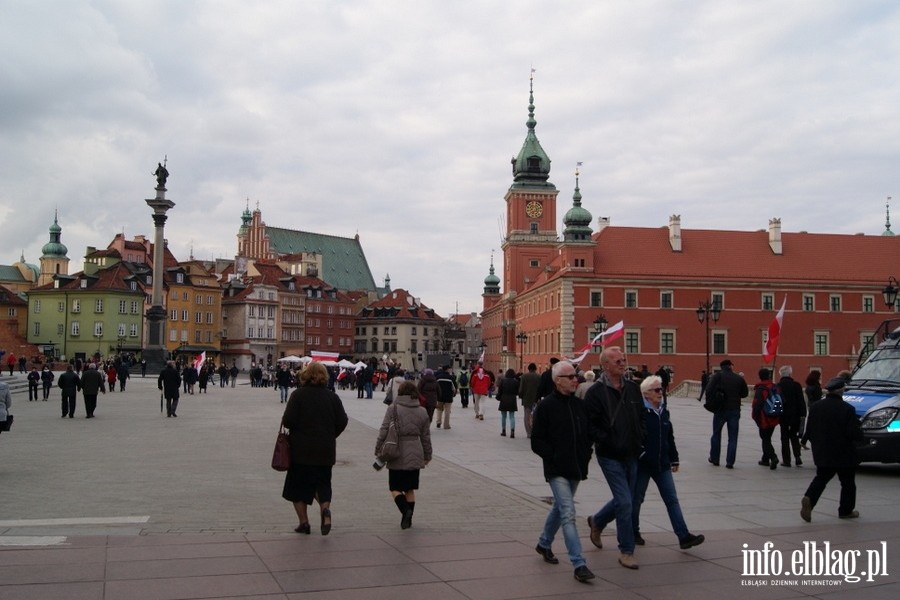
point(887, 218)
point(532, 165)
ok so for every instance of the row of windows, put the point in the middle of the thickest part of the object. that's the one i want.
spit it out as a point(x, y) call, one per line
point(75, 330)
point(315, 341)
point(268, 331)
point(392, 330)
point(198, 299)
point(767, 301)
point(125, 306)
point(317, 308)
point(185, 316)
point(184, 334)
point(667, 342)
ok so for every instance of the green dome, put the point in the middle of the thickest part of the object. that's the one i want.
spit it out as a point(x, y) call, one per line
point(577, 219)
point(532, 165)
point(492, 282)
point(54, 247)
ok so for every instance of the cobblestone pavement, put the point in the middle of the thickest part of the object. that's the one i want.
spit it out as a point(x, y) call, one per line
point(125, 505)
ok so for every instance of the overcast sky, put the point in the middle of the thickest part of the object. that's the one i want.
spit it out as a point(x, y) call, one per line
point(397, 120)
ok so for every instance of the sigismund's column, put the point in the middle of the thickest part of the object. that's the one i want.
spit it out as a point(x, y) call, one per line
point(155, 352)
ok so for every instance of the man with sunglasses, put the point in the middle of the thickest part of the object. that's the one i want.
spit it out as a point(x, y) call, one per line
point(615, 406)
point(560, 436)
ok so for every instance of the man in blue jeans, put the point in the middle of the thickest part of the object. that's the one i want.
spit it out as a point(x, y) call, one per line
point(560, 436)
point(615, 408)
point(731, 387)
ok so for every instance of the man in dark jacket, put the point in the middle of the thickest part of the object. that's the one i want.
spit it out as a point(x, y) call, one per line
point(732, 387)
point(833, 429)
point(447, 386)
point(70, 383)
point(792, 415)
point(169, 382)
point(614, 406)
point(546, 386)
point(122, 374)
point(91, 385)
point(560, 436)
point(34, 379)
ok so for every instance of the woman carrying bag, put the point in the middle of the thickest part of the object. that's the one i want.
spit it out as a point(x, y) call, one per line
point(412, 423)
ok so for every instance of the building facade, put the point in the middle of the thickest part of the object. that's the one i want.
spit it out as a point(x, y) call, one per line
point(558, 291)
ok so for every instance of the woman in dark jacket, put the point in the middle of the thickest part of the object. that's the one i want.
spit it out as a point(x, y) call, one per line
point(431, 390)
point(507, 393)
point(813, 392)
point(415, 448)
point(658, 462)
point(315, 417)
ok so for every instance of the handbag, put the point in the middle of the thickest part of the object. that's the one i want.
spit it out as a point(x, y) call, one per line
point(281, 457)
point(390, 447)
point(7, 424)
point(389, 396)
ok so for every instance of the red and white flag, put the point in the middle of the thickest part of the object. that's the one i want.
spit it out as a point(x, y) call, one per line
point(200, 360)
point(601, 339)
point(324, 356)
point(771, 348)
point(481, 358)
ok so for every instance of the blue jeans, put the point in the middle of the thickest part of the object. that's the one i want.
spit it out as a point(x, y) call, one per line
point(284, 393)
point(732, 419)
point(665, 483)
point(369, 390)
point(512, 419)
point(621, 477)
point(562, 513)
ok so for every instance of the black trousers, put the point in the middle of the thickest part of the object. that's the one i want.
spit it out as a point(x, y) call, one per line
point(32, 390)
point(90, 404)
point(768, 450)
point(847, 477)
point(47, 390)
point(68, 403)
point(790, 442)
point(171, 405)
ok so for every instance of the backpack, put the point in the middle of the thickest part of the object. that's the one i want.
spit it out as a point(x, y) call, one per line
point(774, 404)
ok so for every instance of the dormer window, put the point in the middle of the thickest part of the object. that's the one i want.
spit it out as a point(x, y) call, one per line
point(132, 285)
point(148, 280)
point(179, 277)
point(292, 286)
point(84, 284)
point(534, 163)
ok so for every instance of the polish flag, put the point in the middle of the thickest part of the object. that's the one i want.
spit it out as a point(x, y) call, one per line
point(200, 360)
point(771, 348)
point(324, 356)
point(601, 339)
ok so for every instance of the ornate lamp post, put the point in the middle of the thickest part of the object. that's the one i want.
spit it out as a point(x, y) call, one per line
point(521, 339)
point(890, 292)
point(706, 312)
point(155, 352)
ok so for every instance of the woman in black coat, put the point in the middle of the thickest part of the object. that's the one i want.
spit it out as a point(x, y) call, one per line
point(315, 417)
point(507, 394)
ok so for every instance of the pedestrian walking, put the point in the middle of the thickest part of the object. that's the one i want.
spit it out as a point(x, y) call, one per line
point(507, 395)
point(69, 382)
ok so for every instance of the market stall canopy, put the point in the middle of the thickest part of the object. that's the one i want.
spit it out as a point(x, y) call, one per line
point(290, 358)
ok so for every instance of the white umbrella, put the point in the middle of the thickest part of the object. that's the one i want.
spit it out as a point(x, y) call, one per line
point(361, 365)
point(328, 363)
point(305, 359)
point(345, 364)
point(290, 358)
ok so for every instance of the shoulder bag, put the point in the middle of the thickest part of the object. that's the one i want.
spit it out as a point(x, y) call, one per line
point(281, 457)
point(7, 424)
point(390, 447)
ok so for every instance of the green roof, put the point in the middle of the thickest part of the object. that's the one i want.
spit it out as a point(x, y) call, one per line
point(344, 263)
point(10, 273)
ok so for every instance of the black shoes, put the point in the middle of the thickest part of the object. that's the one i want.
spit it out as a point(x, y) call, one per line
point(326, 527)
point(638, 540)
point(691, 540)
point(303, 528)
point(714, 463)
point(406, 520)
point(853, 514)
point(583, 574)
point(806, 509)
point(547, 553)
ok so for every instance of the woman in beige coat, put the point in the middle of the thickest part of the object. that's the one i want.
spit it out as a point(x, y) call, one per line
point(415, 449)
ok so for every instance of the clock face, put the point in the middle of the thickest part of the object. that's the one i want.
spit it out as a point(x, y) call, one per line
point(534, 209)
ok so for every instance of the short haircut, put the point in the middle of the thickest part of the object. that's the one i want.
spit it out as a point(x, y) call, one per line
point(764, 374)
point(408, 388)
point(315, 374)
point(786, 371)
point(653, 381)
point(604, 356)
point(589, 375)
point(559, 367)
point(532, 367)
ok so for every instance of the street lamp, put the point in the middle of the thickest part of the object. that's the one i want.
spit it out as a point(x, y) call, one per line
point(706, 312)
point(890, 292)
point(521, 338)
point(600, 325)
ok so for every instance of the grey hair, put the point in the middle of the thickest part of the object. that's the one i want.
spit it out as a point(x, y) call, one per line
point(786, 371)
point(558, 367)
point(650, 382)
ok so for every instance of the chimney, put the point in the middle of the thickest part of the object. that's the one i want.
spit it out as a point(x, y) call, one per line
point(775, 236)
point(675, 233)
point(602, 223)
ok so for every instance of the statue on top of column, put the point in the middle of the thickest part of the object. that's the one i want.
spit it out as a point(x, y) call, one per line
point(161, 174)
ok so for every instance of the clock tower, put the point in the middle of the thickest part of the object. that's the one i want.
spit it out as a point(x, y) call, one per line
point(530, 211)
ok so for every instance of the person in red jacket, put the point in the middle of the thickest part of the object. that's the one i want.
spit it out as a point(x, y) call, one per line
point(480, 384)
point(765, 423)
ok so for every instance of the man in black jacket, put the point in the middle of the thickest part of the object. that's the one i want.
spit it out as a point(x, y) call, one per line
point(169, 382)
point(615, 413)
point(833, 429)
point(793, 411)
point(70, 383)
point(561, 438)
point(447, 386)
point(733, 388)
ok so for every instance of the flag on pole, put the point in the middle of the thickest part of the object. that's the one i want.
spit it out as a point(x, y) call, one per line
point(601, 339)
point(774, 333)
point(200, 360)
point(481, 358)
point(324, 356)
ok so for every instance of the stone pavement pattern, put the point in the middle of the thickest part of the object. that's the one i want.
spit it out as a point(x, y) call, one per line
point(134, 505)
